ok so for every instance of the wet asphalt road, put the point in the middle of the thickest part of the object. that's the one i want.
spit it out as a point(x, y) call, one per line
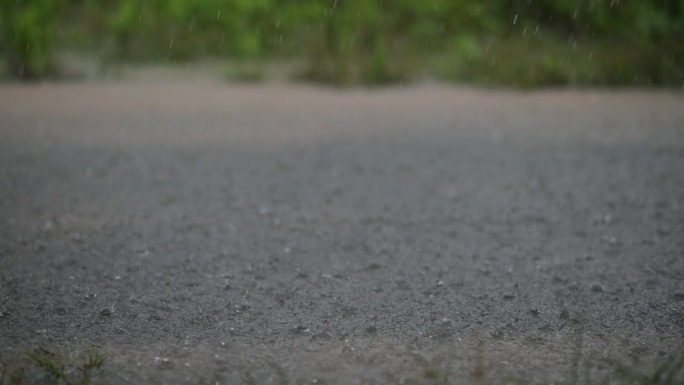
point(205, 233)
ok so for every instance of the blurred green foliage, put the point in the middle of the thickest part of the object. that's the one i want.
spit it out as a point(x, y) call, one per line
point(26, 36)
point(515, 42)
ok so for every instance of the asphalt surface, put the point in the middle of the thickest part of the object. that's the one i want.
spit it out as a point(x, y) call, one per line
point(203, 233)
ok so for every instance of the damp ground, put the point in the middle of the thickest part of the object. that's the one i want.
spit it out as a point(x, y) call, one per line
point(200, 233)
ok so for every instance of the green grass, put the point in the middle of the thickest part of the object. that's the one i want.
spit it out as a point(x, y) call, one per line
point(670, 371)
point(533, 62)
point(517, 60)
point(520, 58)
point(43, 366)
point(513, 61)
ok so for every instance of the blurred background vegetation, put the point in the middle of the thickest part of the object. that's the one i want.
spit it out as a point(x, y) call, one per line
point(523, 43)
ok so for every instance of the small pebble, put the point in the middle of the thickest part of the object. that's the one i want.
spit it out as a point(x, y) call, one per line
point(107, 311)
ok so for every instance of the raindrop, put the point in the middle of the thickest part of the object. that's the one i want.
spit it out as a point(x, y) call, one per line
point(515, 19)
point(164, 363)
point(218, 15)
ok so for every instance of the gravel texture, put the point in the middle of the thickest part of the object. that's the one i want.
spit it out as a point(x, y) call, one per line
point(203, 233)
